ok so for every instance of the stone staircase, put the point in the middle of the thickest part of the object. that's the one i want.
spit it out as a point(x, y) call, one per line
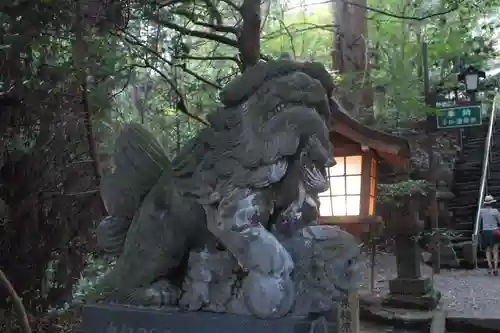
point(467, 176)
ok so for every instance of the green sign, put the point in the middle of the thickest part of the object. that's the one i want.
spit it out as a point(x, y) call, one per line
point(459, 116)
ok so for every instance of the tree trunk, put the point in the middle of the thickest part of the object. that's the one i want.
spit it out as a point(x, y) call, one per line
point(79, 48)
point(249, 40)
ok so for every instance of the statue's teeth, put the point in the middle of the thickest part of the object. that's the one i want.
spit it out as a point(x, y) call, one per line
point(311, 202)
point(315, 179)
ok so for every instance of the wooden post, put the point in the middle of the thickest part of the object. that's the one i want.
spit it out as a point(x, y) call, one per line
point(434, 213)
point(460, 139)
point(348, 314)
point(373, 257)
point(436, 263)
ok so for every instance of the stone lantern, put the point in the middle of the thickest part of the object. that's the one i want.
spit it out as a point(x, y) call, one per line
point(410, 289)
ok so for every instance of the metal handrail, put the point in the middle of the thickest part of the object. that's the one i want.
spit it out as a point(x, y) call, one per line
point(484, 176)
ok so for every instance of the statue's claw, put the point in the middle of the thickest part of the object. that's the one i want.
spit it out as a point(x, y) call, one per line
point(196, 297)
point(196, 293)
point(161, 293)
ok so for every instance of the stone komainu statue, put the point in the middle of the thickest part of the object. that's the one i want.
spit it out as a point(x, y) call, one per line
point(230, 224)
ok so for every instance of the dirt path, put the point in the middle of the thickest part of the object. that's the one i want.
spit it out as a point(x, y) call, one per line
point(465, 293)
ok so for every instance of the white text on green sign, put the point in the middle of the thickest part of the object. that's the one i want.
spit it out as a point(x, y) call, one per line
point(459, 117)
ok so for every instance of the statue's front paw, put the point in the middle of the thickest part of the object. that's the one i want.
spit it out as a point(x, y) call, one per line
point(269, 257)
point(161, 293)
point(267, 296)
point(165, 293)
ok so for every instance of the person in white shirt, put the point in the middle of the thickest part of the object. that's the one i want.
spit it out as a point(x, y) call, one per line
point(490, 226)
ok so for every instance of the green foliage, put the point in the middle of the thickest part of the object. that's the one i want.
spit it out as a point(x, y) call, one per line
point(392, 194)
point(57, 72)
point(197, 61)
point(303, 35)
point(461, 36)
point(96, 268)
point(432, 111)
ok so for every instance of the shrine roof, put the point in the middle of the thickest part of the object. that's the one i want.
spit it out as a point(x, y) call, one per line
point(392, 148)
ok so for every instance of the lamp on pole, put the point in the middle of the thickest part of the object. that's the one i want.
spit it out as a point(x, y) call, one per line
point(470, 77)
point(433, 214)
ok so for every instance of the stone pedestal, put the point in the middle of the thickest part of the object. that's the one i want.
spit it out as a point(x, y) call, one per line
point(419, 286)
point(128, 319)
point(428, 301)
point(417, 293)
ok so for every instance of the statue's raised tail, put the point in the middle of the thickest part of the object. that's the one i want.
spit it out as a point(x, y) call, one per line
point(139, 162)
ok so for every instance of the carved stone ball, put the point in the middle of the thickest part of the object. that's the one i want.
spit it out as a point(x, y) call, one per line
point(325, 267)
